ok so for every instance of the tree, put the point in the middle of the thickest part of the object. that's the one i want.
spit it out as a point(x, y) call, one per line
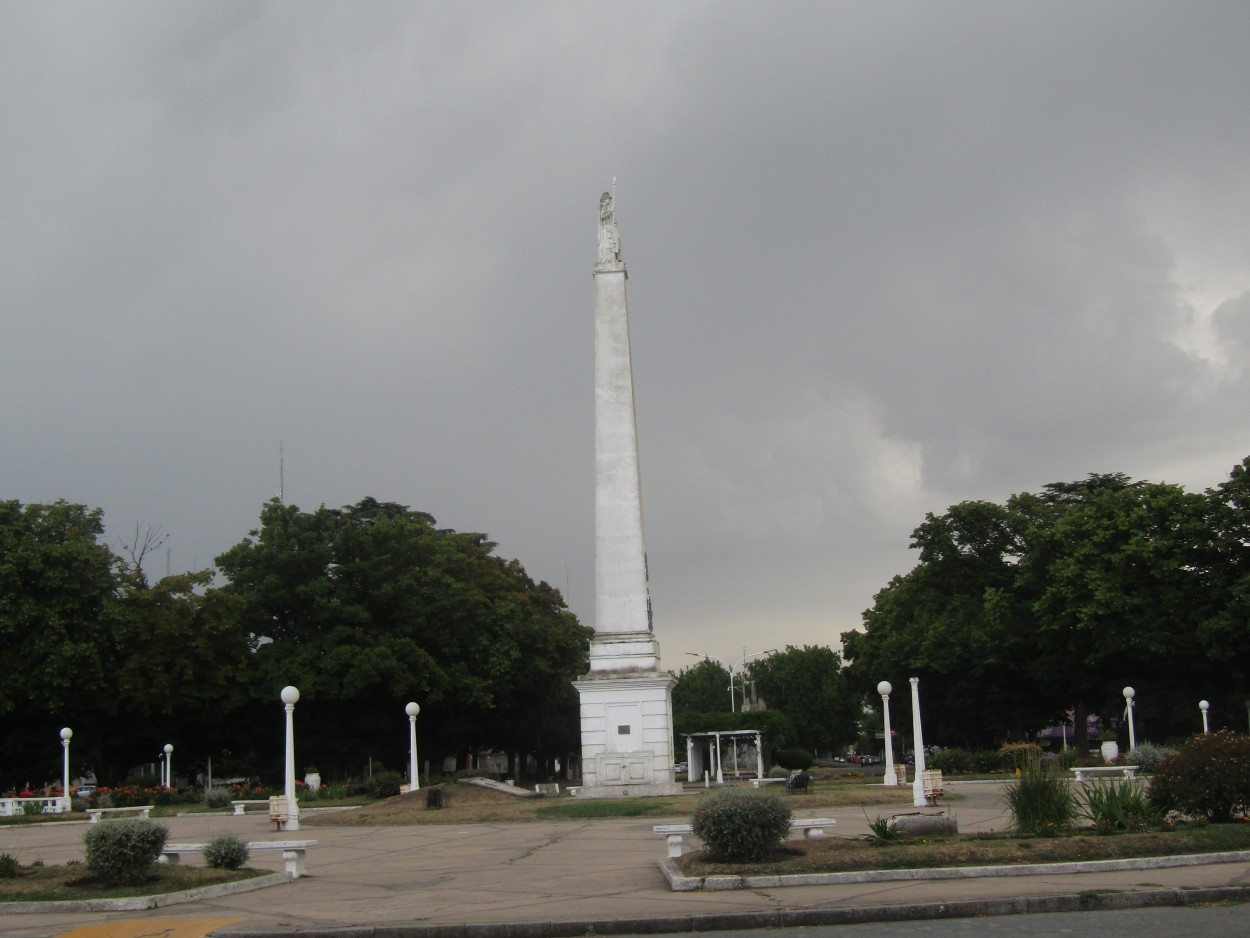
point(809, 687)
point(57, 613)
point(371, 605)
point(701, 688)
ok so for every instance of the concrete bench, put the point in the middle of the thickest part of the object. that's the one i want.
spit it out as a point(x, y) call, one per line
point(142, 809)
point(292, 853)
point(1128, 771)
point(812, 827)
point(547, 788)
point(240, 807)
point(757, 782)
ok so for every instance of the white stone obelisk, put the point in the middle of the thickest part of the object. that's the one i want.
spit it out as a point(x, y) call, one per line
point(626, 699)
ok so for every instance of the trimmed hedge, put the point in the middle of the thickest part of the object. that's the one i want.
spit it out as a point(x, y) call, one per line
point(121, 851)
point(740, 826)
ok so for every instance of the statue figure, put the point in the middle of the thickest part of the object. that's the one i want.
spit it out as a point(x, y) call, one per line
point(609, 240)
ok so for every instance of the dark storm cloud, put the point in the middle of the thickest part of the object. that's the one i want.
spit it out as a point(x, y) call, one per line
point(883, 258)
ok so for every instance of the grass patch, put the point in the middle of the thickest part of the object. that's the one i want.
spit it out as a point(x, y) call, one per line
point(73, 882)
point(470, 804)
point(835, 854)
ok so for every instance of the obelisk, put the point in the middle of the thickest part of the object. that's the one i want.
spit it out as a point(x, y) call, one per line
point(626, 700)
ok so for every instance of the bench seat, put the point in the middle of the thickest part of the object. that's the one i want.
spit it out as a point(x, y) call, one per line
point(292, 853)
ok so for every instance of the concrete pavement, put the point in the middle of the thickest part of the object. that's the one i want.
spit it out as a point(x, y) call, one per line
point(568, 877)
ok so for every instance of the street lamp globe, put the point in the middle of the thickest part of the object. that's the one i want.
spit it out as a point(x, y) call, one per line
point(885, 689)
point(412, 709)
point(290, 695)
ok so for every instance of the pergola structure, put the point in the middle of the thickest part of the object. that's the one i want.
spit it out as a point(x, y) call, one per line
point(709, 744)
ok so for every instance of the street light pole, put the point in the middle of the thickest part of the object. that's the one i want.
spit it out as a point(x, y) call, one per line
point(66, 735)
point(290, 696)
point(733, 704)
point(414, 780)
point(1129, 695)
point(1204, 706)
point(891, 777)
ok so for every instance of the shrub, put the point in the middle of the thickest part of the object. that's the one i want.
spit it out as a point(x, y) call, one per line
point(1207, 777)
point(794, 758)
point(1019, 755)
point(741, 826)
point(333, 792)
point(225, 852)
point(1118, 805)
point(218, 797)
point(1041, 801)
point(121, 852)
point(8, 866)
point(1147, 756)
point(384, 784)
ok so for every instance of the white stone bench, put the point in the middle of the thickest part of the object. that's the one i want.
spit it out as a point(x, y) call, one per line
point(1128, 771)
point(240, 807)
point(757, 782)
point(812, 827)
point(292, 853)
point(547, 788)
point(142, 809)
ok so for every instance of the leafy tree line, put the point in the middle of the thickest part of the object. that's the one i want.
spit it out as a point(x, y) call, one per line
point(810, 703)
point(363, 608)
point(1018, 611)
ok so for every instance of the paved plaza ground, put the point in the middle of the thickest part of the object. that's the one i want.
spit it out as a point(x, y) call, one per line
point(560, 877)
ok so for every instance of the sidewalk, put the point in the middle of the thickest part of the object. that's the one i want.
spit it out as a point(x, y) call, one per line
point(566, 877)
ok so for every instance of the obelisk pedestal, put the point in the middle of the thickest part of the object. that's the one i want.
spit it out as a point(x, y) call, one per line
point(626, 699)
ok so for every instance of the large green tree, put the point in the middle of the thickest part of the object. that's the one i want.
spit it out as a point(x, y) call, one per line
point(57, 615)
point(808, 685)
point(366, 607)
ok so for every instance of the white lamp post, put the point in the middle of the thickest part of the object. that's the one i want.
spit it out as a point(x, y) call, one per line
point(1129, 694)
point(169, 762)
point(891, 777)
point(414, 780)
point(1204, 706)
point(66, 735)
point(917, 788)
point(290, 696)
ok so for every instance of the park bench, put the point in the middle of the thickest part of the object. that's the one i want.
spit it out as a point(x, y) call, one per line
point(240, 806)
point(292, 853)
point(757, 782)
point(1128, 771)
point(932, 782)
point(811, 827)
point(96, 813)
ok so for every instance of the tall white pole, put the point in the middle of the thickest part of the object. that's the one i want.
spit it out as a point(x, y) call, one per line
point(917, 788)
point(1129, 694)
point(290, 696)
point(891, 776)
point(1204, 706)
point(66, 735)
point(414, 779)
point(169, 771)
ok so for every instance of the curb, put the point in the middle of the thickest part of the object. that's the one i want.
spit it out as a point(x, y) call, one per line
point(681, 883)
point(143, 903)
point(781, 918)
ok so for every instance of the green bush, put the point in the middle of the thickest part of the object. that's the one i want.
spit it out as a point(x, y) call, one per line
point(8, 866)
point(956, 761)
point(218, 797)
point(332, 792)
point(121, 852)
point(384, 784)
point(1118, 805)
point(1019, 755)
point(225, 852)
point(1207, 777)
point(794, 758)
point(740, 826)
point(1041, 801)
point(1147, 756)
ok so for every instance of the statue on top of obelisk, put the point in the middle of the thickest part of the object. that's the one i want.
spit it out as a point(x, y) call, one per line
point(609, 237)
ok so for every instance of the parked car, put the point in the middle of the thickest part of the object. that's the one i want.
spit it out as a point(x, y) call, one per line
point(84, 791)
point(680, 768)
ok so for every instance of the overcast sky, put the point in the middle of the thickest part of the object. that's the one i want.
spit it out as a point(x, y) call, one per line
point(883, 257)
